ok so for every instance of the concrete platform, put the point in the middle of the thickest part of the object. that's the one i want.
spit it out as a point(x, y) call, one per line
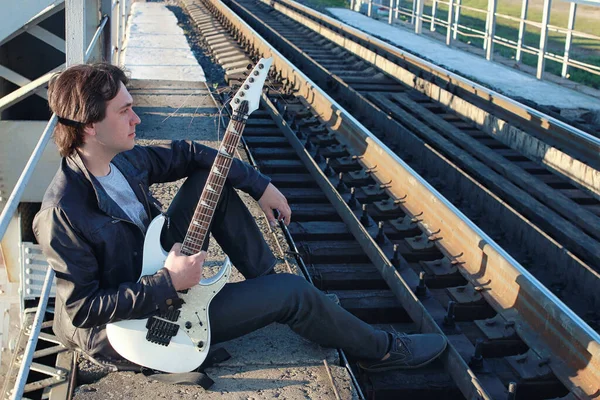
point(156, 48)
point(500, 78)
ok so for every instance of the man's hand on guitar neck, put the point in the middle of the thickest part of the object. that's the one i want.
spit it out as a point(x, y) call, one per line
point(185, 271)
point(273, 199)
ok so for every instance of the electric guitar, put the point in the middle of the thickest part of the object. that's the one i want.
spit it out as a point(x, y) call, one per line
point(179, 340)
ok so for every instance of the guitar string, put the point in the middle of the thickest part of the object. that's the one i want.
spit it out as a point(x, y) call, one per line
point(203, 214)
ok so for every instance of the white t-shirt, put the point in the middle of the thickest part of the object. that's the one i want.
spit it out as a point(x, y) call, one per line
point(119, 190)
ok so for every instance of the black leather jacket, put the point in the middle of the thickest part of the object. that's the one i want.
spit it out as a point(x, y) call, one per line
point(96, 250)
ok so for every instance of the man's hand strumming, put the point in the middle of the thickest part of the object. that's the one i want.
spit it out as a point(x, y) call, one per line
point(272, 199)
point(185, 271)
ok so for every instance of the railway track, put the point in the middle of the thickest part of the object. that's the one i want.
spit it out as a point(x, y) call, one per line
point(518, 202)
point(358, 209)
point(407, 120)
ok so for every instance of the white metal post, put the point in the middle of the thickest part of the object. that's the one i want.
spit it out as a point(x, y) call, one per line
point(456, 18)
point(450, 15)
point(391, 14)
point(370, 9)
point(414, 11)
point(75, 31)
point(397, 8)
point(543, 39)
point(419, 21)
point(569, 39)
point(522, 29)
point(491, 30)
point(433, 10)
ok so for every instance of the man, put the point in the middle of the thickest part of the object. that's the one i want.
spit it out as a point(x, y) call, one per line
point(95, 213)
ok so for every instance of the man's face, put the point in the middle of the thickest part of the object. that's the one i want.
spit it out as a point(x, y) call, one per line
point(116, 132)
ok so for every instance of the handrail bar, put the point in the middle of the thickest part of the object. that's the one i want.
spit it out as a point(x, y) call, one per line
point(17, 391)
point(95, 38)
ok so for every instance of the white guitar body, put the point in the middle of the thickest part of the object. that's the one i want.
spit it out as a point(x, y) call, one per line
point(188, 349)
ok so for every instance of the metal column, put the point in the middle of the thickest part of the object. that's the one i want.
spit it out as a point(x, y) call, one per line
point(522, 29)
point(569, 39)
point(543, 39)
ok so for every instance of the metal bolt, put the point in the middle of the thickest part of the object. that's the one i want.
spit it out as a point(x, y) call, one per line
point(512, 391)
point(380, 238)
point(396, 257)
point(476, 361)
point(449, 318)
point(364, 218)
point(421, 289)
point(341, 186)
point(328, 170)
point(352, 203)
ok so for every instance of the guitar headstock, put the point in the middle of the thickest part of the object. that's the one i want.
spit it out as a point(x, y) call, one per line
point(252, 87)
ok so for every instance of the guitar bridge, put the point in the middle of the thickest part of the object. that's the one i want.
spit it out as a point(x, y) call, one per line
point(162, 328)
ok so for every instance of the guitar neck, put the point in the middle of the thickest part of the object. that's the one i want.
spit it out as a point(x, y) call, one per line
point(200, 223)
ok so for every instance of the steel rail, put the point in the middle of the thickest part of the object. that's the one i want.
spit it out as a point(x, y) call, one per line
point(302, 266)
point(565, 133)
point(547, 326)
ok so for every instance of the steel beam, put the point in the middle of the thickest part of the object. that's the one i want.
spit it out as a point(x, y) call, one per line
point(20, 80)
point(47, 37)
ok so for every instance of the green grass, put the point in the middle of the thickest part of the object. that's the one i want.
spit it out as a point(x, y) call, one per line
point(584, 50)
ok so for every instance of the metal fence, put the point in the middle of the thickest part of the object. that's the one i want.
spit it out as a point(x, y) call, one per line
point(413, 13)
point(105, 44)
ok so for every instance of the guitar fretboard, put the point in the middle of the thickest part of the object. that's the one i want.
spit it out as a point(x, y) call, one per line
point(211, 193)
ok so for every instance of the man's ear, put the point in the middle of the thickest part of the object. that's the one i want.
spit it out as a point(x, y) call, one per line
point(89, 130)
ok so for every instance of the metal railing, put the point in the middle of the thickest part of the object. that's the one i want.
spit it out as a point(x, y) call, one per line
point(114, 36)
point(414, 14)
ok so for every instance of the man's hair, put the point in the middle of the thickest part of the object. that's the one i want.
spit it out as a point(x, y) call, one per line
point(78, 96)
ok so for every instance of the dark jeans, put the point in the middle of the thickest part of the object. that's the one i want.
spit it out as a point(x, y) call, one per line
point(243, 307)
